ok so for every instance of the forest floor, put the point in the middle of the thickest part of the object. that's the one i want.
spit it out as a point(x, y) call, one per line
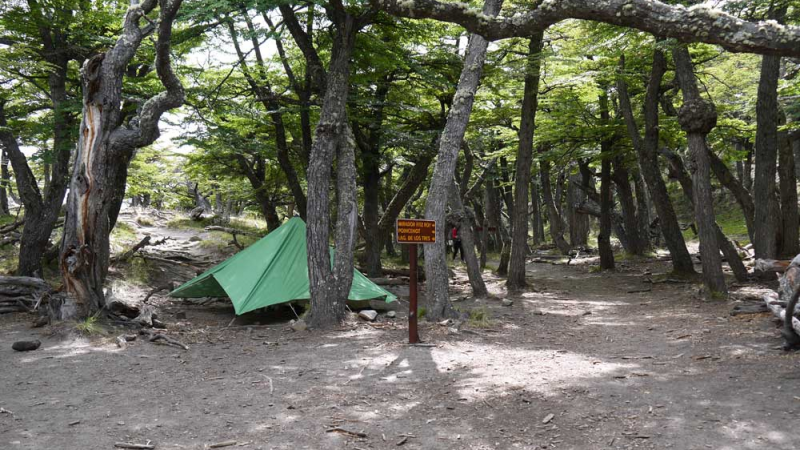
point(580, 361)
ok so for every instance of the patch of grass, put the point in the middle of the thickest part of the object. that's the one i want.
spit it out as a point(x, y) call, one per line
point(137, 271)
point(216, 240)
point(89, 326)
point(5, 220)
point(144, 221)
point(731, 221)
point(123, 232)
point(480, 318)
point(595, 269)
point(421, 312)
point(186, 223)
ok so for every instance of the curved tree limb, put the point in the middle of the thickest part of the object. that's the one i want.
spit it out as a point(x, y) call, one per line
point(699, 23)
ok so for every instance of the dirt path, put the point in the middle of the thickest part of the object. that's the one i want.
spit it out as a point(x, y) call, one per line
point(616, 370)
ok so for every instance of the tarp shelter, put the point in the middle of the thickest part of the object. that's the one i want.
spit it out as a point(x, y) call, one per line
point(271, 271)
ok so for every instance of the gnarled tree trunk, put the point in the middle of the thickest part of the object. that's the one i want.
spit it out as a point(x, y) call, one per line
point(104, 152)
point(697, 118)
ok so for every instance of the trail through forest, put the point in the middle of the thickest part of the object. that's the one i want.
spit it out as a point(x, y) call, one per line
point(578, 362)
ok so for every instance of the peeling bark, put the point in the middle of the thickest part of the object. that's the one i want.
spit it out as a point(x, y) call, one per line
point(104, 152)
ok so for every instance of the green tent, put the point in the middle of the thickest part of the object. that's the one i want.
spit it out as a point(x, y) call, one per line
point(271, 271)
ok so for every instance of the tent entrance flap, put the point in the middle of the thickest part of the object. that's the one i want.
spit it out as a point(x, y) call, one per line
point(271, 271)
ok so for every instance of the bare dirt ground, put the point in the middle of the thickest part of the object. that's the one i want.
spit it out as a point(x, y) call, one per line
point(577, 362)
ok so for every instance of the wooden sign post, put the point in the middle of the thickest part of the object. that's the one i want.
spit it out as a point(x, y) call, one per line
point(413, 232)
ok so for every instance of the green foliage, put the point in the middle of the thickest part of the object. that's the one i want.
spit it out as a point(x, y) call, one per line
point(89, 326)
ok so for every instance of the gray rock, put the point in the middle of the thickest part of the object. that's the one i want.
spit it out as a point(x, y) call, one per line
point(26, 346)
point(538, 312)
point(195, 239)
point(507, 302)
point(299, 325)
point(391, 314)
point(368, 314)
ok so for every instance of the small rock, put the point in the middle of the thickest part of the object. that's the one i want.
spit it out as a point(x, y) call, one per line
point(25, 346)
point(195, 239)
point(548, 418)
point(587, 313)
point(368, 314)
point(181, 315)
point(453, 330)
point(507, 302)
point(391, 314)
point(538, 312)
point(299, 325)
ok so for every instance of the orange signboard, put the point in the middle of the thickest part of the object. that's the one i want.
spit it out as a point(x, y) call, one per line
point(416, 231)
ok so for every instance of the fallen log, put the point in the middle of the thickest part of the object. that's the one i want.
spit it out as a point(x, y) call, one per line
point(131, 446)
point(398, 273)
point(21, 293)
point(754, 308)
point(233, 231)
point(154, 337)
point(142, 244)
point(385, 281)
point(11, 226)
point(771, 265)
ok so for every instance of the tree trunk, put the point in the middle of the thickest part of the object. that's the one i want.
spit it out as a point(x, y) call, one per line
point(371, 176)
point(465, 220)
point(556, 224)
point(642, 212)
point(436, 273)
point(747, 176)
point(606, 195)
point(726, 246)
point(329, 287)
point(788, 196)
point(578, 221)
point(519, 229)
point(5, 182)
point(371, 184)
point(765, 244)
point(624, 190)
point(104, 152)
point(647, 151)
point(536, 214)
point(740, 193)
point(697, 118)
point(262, 90)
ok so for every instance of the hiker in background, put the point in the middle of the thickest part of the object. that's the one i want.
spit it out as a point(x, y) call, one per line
point(457, 244)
